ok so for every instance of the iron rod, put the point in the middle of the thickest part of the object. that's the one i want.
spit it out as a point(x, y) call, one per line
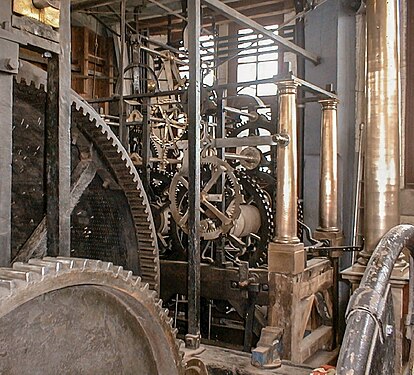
point(240, 18)
point(123, 130)
point(194, 119)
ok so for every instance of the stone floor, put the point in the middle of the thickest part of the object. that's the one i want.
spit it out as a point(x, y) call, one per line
point(220, 361)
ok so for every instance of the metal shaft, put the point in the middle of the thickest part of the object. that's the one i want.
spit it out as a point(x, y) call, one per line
point(194, 120)
point(287, 190)
point(328, 183)
point(382, 167)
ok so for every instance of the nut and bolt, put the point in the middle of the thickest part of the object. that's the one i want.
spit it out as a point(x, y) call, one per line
point(389, 329)
point(12, 64)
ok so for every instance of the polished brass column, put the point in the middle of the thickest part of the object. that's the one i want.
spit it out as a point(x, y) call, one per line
point(328, 180)
point(287, 164)
point(382, 169)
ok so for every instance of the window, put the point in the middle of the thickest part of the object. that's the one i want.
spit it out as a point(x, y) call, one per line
point(258, 60)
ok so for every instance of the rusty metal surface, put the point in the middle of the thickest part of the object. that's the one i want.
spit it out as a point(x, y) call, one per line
point(71, 315)
point(369, 341)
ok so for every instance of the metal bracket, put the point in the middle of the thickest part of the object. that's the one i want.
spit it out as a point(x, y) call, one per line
point(192, 341)
point(9, 65)
point(268, 353)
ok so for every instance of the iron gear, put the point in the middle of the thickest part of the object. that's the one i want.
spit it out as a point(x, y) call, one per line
point(100, 319)
point(214, 221)
point(88, 122)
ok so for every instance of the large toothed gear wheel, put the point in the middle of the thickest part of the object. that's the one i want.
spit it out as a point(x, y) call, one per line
point(78, 316)
point(111, 217)
point(214, 220)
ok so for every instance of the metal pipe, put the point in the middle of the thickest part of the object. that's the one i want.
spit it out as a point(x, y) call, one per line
point(366, 309)
point(382, 156)
point(286, 177)
point(328, 182)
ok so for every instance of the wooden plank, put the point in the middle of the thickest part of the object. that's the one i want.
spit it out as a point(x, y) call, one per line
point(317, 284)
point(304, 313)
point(321, 338)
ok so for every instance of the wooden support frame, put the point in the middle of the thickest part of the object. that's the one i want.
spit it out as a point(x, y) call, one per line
point(294, 309)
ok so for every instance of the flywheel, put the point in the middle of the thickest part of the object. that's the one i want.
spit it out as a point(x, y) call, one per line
point(79, 316)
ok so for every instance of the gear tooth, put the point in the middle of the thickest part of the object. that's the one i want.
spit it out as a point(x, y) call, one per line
point(153, 295)
point(126, 275)
point(145, 287)
point(55, 266)
point(108, 266)
point(6, 287)
point(159, 303)
point(12, 274)
point(117, 270)
point(41, 270)
point(67, 262)
point(175, 332)
point(170, 322)
point(137, 281)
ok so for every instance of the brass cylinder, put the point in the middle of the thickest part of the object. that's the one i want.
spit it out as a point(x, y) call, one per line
point(328, 180)
point(287, 164)
point(382, 166)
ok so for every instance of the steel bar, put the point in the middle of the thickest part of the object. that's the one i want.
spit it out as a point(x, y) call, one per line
point(382, 152)
point(64, 140)
point(221, 133)
point(91, 4)
point(246, 21)
point(57, 146)
point(8, 50)
point(365, 313)
point(146, 145)
point(138, 96)
point(254, 140)
point(286, 191)
point(194, 121)
point(328, 179)
point(301, 64)
point(123, 130)
point(169, 10)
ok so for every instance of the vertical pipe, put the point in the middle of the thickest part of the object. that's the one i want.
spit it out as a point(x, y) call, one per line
point(287, 190)
point(194, 119)
point(123, 130)
point(328, 183)
point(382, 170)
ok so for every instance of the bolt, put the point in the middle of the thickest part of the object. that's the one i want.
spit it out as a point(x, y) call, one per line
point(47, 55)
point(389, 329)
point(265, 287)
point(234, 284)
point(12, 64)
